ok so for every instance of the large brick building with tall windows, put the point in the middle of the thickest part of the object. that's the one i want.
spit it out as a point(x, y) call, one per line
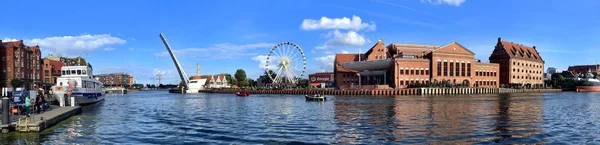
point(410, 65)
point(520, 65)
point(22, 62)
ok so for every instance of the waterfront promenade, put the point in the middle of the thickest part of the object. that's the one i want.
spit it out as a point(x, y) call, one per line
point(393, 92)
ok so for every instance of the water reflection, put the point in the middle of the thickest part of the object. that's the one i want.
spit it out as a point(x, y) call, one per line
point(440, 119)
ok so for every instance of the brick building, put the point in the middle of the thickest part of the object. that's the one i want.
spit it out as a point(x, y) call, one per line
point(116, 79)
point(410, 65)
point(520, 65)
point(21, 62)
point(50, 71)
point(36, 64)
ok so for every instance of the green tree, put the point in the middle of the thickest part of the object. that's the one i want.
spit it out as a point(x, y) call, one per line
point(557, 79)
point(16, 83)
point(265, 78)
point(251, 82)
point(303, 83)
point(240, 76)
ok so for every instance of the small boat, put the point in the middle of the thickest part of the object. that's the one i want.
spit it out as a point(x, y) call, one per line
point(315, 98)
point(242, 94)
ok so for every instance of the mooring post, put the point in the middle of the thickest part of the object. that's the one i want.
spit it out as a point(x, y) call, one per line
point(72, 101)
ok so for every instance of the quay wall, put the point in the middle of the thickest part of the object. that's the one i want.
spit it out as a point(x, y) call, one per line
point(393, 92)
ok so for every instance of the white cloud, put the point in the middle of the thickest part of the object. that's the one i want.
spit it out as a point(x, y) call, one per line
point(325, 62)
point(262, 59)
point(109, 49)
point(345, 52)
point(219, 51)
point(337, 23)
point(131, 49)
point(338, 38)
point(8, 40)
point(449, 2)
point(69, 45)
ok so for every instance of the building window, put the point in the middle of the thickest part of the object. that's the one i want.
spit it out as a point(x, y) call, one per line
point(439, 68)
point(422, 72)
point(401, 72)
point(457, 69)
point(445, 68)
point(469, 69)
point(462, 67)
point(406, 72)
point(412, 72)
point(416, 72)
point(426, 72)
point(451, 68)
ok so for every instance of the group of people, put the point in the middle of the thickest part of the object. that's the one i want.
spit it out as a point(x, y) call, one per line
point(39, 104)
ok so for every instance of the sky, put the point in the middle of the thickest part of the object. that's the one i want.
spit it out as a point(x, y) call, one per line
point(226, 35)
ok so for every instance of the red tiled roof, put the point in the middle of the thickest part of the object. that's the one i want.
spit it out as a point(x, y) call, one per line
point(34, 48)
point(13, 43)
point(339, 58)
point(515, 50)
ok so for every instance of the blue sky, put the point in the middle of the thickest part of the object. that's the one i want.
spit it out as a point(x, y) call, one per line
point(122, 36)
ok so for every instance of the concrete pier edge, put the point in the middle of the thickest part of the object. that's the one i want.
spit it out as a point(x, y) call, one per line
point(394, 92)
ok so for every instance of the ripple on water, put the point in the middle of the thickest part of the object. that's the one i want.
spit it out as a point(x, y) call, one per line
point(156, 117)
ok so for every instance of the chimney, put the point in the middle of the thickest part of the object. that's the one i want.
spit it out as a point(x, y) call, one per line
point(533, 47)
point(198, 69)
point(499, 39)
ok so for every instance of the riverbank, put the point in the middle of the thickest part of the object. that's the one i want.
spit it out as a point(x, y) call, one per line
point(392, 92)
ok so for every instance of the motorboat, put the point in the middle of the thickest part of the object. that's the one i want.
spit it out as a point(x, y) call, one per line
point(242, 93)
point(316, 97)
point(78, 81)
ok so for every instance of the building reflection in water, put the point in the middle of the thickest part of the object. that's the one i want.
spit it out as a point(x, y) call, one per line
point(500, 118)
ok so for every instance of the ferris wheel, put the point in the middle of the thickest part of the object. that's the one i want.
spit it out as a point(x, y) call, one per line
point(287, 61)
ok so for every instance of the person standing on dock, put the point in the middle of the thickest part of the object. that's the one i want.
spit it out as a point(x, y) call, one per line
point(27, 105)
point(38, 102)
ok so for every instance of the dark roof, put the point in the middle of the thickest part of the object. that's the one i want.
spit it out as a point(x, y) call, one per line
point(516, 50)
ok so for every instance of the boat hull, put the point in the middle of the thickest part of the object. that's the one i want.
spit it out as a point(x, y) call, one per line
point(88, 98)
point(242, 94)
point(588, 88)
point(310, 98)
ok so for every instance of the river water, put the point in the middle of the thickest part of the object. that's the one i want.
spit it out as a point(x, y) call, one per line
point(157, 117)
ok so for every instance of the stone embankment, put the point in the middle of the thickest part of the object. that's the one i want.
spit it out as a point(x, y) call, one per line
point(393, 92)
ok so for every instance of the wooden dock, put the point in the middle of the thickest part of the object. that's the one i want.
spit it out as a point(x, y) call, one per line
point(39, 122)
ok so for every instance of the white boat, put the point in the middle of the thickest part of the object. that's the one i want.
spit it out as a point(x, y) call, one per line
point(80, 83)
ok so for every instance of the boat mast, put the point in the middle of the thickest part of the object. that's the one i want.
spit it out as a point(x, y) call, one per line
point(182, 75)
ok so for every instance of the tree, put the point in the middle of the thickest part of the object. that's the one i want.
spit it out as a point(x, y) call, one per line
point(16, 83)
point(303, 83)
point(161, 86)
point(234, 82)
point(251, 82)
point(557, 79)
point(240, 76)
point(265, 78)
